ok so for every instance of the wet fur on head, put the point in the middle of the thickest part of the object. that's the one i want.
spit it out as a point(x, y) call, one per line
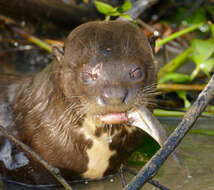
point(94, 39)
point(57, 90)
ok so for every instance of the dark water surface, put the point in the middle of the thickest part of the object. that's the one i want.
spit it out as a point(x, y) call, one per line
point(196, 151)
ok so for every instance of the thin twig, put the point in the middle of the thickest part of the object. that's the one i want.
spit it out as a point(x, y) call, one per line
point(151, 168)
point(157, 184)
point(54, 171)
point(152, 182)
point(32, 39)
point(122, 177)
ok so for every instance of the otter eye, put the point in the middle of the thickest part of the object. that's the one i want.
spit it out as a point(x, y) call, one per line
point(87, 77)
point(94, 76)
point(136, 73)
point(90, 75)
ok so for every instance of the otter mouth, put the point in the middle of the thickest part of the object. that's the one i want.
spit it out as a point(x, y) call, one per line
point(141, 118)
point(114, 118)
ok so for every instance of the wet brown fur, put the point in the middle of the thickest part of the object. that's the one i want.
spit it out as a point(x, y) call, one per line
point(53, 108)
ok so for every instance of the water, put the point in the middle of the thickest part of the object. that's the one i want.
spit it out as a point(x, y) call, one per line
point(197, 153)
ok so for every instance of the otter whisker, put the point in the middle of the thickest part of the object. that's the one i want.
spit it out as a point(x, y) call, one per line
point(153, 85)
point(149, 89)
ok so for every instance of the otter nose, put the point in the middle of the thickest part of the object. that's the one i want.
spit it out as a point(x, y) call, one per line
point(114, 95)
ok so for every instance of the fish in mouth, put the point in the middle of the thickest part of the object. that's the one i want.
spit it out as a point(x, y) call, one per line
point(141, 118)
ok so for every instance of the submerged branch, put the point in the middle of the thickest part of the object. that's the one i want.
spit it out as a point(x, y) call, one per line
point(54, 171)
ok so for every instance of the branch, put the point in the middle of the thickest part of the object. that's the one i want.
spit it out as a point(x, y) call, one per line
point(37, 11)
point(151, 168)
point(54, 171)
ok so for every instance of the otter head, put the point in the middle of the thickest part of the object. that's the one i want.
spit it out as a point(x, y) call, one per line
point(109, 67)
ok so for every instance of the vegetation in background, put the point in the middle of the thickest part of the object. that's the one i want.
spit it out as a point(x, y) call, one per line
point(110, 11)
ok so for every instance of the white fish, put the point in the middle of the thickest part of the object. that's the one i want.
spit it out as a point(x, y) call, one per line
point(145, 120)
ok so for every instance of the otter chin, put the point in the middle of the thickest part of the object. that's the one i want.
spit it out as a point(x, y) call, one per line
point(68, 112)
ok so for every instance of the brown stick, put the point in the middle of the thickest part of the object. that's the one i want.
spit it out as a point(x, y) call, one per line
point(151, 168)
point(38, 11)
point(173, 87)
point(54, 171)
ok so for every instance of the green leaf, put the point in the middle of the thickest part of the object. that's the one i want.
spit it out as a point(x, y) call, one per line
point(212, 29)
point(203, 50)
point(175, 77)
point(125, 6)
point(127, 17)
point(103, 8)
point(114, 12)
point(183, 95)
point(207, 66)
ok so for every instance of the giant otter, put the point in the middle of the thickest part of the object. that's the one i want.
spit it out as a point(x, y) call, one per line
point(73, 113)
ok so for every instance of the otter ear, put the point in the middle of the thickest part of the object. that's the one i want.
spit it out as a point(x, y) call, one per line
point(58, 52)
point(152, 42)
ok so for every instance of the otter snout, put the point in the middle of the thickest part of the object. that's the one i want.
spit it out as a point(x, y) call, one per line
point(114, 96)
